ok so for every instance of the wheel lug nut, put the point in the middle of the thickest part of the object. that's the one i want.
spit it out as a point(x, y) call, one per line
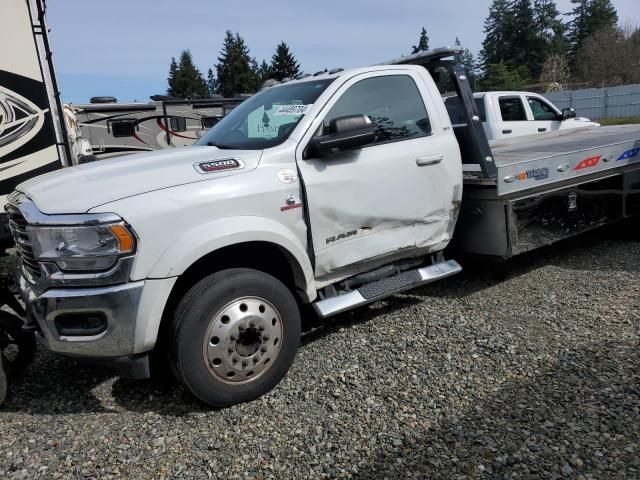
point(233, 338)
point(263, 349)
point(261, 328)
point(235, 360)
point(252, 324)
point(230, 350)
point(245, 363)
point(241, 328)
point(256, 359)
point(265, 338)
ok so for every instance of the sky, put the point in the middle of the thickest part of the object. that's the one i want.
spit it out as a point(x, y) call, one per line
point(123, 48)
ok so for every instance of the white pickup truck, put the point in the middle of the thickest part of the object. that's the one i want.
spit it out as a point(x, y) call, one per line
point(514, 114)
point(334, 191)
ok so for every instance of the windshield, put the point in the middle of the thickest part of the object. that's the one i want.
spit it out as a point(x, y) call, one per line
point(266, 119)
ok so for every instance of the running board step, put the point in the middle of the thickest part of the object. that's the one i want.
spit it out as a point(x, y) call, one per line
point(379, 289)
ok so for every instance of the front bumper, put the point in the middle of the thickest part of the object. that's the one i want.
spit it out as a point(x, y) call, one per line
point(118, 305)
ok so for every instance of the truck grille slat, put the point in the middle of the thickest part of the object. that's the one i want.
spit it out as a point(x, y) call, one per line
point(18, 225)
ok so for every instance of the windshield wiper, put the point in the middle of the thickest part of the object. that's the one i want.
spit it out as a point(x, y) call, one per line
point(220, 146)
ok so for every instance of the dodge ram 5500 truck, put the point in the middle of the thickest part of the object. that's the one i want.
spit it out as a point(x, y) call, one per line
point(333, 190)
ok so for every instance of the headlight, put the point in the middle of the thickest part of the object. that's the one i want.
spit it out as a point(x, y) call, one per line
point(95, 247)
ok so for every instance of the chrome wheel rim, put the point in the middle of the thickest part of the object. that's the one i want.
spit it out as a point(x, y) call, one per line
point(243, 340)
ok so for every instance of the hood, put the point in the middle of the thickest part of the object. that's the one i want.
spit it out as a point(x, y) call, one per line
point(80, 188)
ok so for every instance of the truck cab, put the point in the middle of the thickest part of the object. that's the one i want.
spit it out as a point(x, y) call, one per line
point(515, 114)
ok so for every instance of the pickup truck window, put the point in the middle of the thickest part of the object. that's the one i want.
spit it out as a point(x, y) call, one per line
point(512, 109)
point(393, 103)
point(541, 110)
point(266, 119)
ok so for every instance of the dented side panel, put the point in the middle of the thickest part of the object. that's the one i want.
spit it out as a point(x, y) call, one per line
point(379, 201)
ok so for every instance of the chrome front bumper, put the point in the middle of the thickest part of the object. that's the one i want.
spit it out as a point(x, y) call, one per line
point(117, 304)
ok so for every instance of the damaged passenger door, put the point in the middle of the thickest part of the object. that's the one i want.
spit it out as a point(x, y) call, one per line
point(368, 203)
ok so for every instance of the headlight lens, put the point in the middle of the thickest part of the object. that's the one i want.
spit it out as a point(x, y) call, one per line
point(95, 247)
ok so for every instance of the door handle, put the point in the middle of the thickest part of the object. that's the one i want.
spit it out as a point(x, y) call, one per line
point(506, 132)
point(542, 129)
point(429, 160)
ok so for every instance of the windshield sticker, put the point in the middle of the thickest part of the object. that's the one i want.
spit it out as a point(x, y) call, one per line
point(293, 109)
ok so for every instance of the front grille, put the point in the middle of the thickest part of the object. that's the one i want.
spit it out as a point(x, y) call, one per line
point(18, 225)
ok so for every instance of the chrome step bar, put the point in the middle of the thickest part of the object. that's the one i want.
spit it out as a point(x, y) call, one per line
point(387, 286)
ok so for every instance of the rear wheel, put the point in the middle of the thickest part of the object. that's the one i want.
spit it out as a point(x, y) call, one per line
point(235, 335)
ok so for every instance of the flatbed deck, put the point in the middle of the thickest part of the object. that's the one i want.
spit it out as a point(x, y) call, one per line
point(541, 160)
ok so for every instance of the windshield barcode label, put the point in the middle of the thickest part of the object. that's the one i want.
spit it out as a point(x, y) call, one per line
point(293, 109)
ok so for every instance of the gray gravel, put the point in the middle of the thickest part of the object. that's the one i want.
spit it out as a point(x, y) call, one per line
point(532, 374)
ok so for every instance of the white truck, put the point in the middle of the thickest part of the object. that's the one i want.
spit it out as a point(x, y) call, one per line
point(506, 115)
point(334, 190)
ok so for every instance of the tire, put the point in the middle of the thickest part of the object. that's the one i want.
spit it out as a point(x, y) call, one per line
point(17, 347)
point(234, 336)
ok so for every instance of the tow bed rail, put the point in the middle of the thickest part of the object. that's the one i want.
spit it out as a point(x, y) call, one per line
point(558, 158)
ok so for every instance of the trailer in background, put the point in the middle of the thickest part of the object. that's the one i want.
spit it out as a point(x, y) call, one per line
point(33, 138)
point(121, 128)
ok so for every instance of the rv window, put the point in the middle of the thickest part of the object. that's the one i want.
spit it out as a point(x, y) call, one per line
point(209, 122)
point(123, 128)
point(178, 124)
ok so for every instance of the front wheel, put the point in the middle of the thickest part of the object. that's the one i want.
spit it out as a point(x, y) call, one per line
point(235, 335)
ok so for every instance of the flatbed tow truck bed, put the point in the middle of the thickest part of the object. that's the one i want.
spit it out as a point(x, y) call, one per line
point(549, 187)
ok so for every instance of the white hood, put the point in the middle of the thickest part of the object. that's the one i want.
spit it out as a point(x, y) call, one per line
point(80, 188)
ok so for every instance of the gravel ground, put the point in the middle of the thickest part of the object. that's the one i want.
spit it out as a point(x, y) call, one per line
point(529, 374)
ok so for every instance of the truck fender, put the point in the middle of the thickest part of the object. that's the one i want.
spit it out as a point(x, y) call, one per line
point(195, 243)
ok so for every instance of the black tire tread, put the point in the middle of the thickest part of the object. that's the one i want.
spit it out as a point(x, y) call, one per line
point(215, 280)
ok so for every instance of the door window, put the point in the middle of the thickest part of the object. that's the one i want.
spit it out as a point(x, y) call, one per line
point(393, 103)
point(512, 109)
point(541, 110)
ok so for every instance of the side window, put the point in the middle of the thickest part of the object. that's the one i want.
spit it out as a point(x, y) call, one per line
point(123, 128)
point(178, 124)
point(393, 103)
point(512, 109)
point(541, 110)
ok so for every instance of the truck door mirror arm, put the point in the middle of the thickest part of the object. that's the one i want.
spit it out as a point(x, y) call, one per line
point(346, 133)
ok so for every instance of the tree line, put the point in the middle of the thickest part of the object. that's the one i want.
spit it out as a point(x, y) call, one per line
point(526, 42)
point(236, 72)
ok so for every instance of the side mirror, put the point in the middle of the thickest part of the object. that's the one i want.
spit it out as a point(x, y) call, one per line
point(346, 133)
point(568, 113)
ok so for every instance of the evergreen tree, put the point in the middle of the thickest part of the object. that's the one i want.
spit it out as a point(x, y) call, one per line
point(283, 63)
point(501, 76)
point(589, 17)
point(524, 44)
point(234, 72)
point(423, 43)
point(263, 72)
point(494, 46)
point(212, 83)
point(185, 80)
point(549, 28)
point(173, 73)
